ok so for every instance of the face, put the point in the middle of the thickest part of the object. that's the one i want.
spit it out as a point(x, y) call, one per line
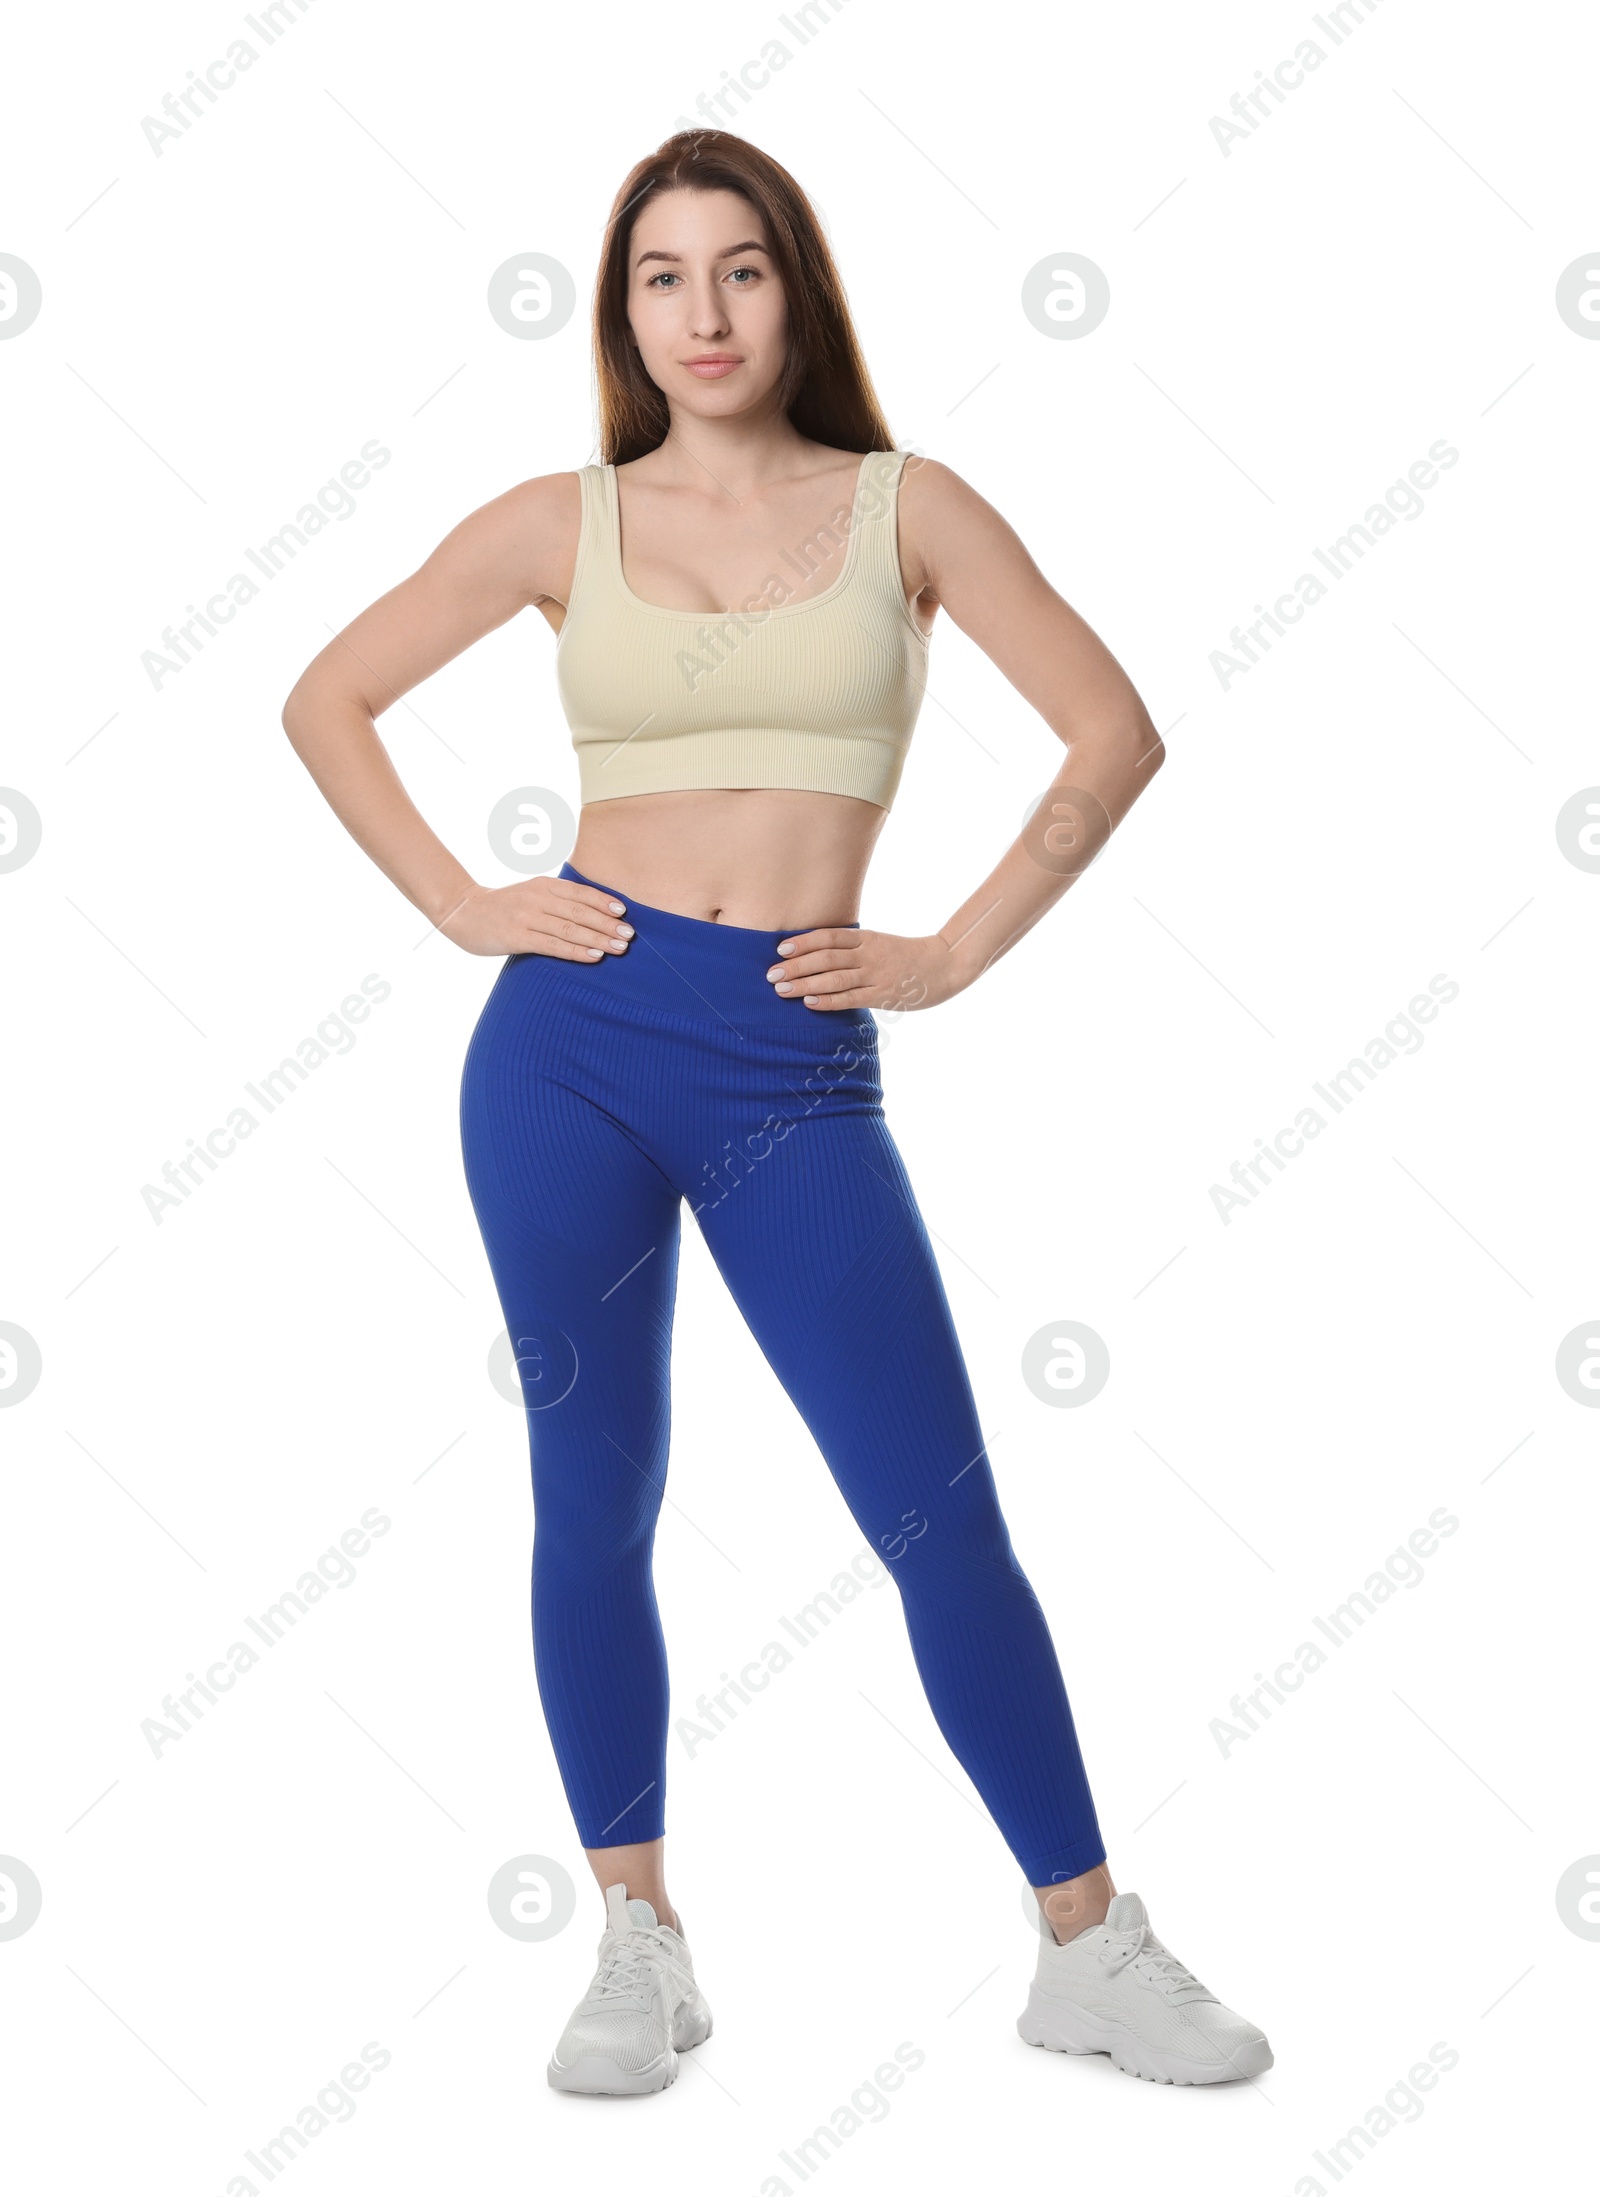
point(705, 303)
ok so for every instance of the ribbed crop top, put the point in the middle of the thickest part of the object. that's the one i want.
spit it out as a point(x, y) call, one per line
point(820, 694)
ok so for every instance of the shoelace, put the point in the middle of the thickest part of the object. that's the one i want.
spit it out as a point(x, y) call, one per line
point(623, 1968)
point(1153, 1961)
point(624, 1963)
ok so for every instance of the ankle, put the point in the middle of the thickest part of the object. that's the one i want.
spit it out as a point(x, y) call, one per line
point(1080, 1904)
point(660, 1905)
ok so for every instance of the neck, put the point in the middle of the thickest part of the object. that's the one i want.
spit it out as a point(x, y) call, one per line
point(736, 456)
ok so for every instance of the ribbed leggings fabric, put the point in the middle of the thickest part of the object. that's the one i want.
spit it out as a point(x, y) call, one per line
point(595, 1100)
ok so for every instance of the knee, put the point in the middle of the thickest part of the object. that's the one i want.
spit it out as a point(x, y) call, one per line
point(588, 1524)
point(585, 1571)
point(977, 1577)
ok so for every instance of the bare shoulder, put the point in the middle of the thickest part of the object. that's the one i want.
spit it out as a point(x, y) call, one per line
point(517, 550)
point(528, 536)
point(947, 528)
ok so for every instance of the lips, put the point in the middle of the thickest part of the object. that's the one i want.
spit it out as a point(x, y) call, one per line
point(712, 367)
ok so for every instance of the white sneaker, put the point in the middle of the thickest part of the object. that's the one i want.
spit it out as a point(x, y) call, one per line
point(642, 2009)
point(1117, 1989)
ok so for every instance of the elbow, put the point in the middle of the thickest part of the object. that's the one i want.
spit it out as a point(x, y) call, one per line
point(1148, 748)
point(1118, 739)
point(295, 713)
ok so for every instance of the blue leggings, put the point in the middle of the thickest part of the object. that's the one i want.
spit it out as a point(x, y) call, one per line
point(595, 1098)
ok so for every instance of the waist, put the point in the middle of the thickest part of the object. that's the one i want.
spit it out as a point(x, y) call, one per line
point(752, 857)
point(707, 971)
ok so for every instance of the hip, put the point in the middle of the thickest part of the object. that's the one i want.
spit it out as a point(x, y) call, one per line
point(686, 1015)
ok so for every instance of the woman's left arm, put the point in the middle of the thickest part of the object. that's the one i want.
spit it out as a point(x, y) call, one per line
point(970, 560)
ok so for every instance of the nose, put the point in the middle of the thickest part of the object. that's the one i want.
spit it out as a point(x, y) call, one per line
point(708, 312)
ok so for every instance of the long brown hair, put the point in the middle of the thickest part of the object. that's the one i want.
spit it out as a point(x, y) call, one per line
point(825, 388)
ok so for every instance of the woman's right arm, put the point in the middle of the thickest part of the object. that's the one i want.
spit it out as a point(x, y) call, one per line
point(512, 553)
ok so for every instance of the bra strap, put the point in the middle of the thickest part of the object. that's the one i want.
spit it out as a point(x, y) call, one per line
point(876, 507)
point(598, 556)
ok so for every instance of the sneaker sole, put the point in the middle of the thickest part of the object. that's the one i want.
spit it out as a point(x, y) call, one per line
point(692, 2025)
point(1069, 2029)
point(594, 2076)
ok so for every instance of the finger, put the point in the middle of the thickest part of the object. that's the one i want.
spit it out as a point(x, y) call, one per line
point(595, 895)
point(788, 982)
point(833, 981)
point(832, 1003)
point(583, 938)
point(556, 949)
point(806, 941)
point(593, 911)
point(823, 957)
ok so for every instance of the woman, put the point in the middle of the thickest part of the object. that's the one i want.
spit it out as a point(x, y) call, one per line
point(743, 594)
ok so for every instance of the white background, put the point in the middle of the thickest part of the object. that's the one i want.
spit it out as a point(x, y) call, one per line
point(223, 1394)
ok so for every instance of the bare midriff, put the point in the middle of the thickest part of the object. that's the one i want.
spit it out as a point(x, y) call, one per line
point(762, 858)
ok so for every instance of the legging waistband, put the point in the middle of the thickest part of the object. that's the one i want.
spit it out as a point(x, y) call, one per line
point(716, 971)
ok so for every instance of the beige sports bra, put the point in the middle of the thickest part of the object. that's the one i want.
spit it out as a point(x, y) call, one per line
point(820, 695)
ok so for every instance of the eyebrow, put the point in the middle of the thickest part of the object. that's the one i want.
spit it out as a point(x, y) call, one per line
point(726, 253)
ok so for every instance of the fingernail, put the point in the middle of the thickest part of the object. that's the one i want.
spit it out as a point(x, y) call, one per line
point(784, 948)
point(616, 907)
point(625, 930)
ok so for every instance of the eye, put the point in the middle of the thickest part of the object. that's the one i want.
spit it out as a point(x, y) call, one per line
point(665, 274)
point(756, 271)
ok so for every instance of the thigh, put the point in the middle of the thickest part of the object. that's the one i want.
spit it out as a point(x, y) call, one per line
point(826, 1253)
point(581, 1229)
